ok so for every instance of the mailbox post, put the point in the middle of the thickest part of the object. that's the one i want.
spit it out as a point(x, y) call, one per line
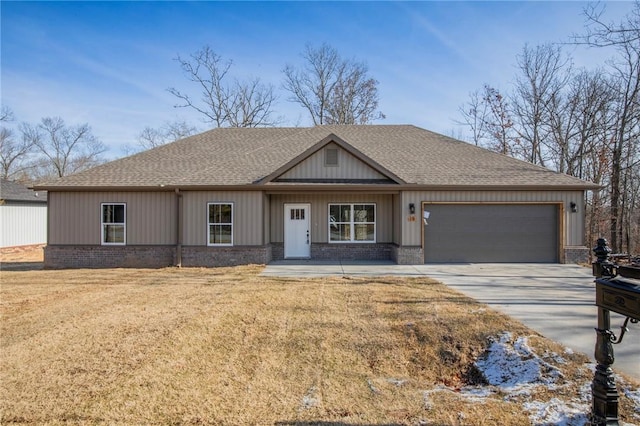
point(617, 290)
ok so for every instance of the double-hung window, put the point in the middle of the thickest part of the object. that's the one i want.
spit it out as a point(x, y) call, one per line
point(220, 224)
point(352, 223)
point(114, 223)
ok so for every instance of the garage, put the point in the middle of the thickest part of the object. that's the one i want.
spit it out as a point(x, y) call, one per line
point(491, 233)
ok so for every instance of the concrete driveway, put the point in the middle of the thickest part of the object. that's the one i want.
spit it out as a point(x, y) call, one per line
point(555, 300)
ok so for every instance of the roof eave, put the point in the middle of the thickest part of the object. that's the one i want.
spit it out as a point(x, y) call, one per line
point(292, 187)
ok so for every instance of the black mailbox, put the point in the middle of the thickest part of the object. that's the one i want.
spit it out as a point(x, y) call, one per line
point(619, 294)
point(617, 290)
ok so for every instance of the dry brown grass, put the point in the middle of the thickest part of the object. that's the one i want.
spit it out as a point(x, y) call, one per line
point(226, 346)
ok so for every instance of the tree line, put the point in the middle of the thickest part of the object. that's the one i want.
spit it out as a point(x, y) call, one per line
point(330, 89)
point(582, 122)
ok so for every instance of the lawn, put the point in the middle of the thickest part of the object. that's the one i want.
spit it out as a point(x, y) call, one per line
point(226, 346)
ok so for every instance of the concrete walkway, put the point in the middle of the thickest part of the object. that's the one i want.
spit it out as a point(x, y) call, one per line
point(555, 300)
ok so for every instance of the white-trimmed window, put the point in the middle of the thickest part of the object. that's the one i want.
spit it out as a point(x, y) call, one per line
point(114, 223)
point(220, 224)
point(352, 223)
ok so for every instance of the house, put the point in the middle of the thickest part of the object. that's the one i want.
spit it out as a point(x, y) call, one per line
point(23, 216)
point(252, 195)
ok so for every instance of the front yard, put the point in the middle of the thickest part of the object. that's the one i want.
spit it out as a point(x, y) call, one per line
point(227, 346)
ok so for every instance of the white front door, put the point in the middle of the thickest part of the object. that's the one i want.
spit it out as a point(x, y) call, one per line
point(297, 234)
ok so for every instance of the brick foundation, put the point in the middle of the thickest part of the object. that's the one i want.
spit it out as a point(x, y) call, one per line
point(576, 254)
point(407, 255)
point(63, 257)
point(277, 251)
point(324, 251)
point(225, 256)
point(69, 257)
point(379, 251)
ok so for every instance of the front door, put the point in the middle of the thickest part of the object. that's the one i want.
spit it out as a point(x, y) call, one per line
point(297, 236)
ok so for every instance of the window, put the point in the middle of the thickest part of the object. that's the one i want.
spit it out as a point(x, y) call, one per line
point(355, 223)
point(220, 224)
point(297, 214)
point(331, 157)
point(114, 226)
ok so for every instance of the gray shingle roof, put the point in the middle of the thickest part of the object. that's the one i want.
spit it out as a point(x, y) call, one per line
point(14, 191)
point(240, 157)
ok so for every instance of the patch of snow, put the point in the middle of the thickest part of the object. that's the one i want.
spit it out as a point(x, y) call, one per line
point(558, 413)
point(309, 400)
point(397, 382)
point(514, 370)
point(633, 395)
point(476, 394)
point(513, 365)
point(585, 392)
point(558, 359)
point(470, 393)
point(372, 388)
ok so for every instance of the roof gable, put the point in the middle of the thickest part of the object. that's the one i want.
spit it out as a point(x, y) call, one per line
point(352, 166)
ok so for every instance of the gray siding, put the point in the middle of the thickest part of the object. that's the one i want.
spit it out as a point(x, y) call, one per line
point(74, 217)
point(397, 218)
point(266, 219)
point(571, 224)
point(349, 167)
point(320, 210)
point(247, 216)
point(22, 225)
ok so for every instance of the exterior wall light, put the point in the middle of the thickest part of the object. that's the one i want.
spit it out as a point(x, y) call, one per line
point(574, 207)
point(412, 208)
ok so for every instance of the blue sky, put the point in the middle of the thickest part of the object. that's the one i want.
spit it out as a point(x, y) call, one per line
point(109, 64)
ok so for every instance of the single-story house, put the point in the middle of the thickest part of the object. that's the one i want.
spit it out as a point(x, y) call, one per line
point(23, 216)
point(234, 196)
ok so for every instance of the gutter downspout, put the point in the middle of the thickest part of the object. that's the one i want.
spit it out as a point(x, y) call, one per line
point(178, 228)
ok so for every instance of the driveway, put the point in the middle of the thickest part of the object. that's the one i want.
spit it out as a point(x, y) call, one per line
point(555, 300)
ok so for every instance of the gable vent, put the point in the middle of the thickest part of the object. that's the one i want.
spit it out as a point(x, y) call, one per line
point(331, 157)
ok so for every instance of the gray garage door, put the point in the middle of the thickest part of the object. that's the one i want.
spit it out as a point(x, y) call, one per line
point(491, 233)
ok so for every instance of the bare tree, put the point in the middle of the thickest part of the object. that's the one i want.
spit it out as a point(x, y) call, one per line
point(168, 132)
point(545, 71)
point(333, 90)
point(624, 38)
point(14, 151)
point(6, 114)
point(579, 119)
point(63, 149)
point(354, 99)
point(224, 102)
point(475, 116)
point(499, 124)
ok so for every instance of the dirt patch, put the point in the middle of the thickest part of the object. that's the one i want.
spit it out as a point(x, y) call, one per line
point(23, 258)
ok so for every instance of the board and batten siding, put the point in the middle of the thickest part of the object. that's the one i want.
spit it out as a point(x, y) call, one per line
point(349, 167)
point(573, 223)
point(23, 225)
point(75, 217)
point(320, 212)
point(248, 212)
